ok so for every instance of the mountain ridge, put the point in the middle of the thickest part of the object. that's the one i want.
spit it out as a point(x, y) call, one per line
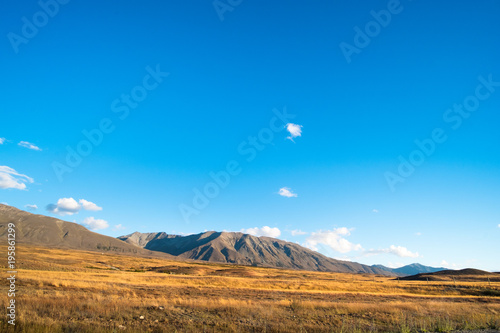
point(411, 269)
point(244, 249)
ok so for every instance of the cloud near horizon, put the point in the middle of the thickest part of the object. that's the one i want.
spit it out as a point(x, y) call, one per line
point(264, 231)
point(333, 239)
point(287, 192)
point(119, 227)
point(69, 206)
point(95, 224)
point(298, 232)
point(10, 178)
point(29, 145)
point(399, 251)
point(31, 207)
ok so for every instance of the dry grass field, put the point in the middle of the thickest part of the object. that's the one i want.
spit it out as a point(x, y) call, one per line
point(76, 291)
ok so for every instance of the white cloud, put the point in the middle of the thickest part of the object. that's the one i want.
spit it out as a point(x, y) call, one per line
point(445, 264)
point(399, 251)
point(29, 145)
point(2, 140)
point(118, 227)
point(294, 130)
point(332, 238)
point(87, 205)
point(95, 224)
point(395, 265)
point(499, 225)
point(375, 211)
point(32, 207)
point(10, 178)
point(298, 232)
point(64, 206)
point(264, 231)
point(418, 234)
point(287, 192)
point(344, 258)
point(403, 252)
point(69, 206)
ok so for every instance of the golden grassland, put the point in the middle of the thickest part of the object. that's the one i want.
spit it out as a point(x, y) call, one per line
point(77, 291)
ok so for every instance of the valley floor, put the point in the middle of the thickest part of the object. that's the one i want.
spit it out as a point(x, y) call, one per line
point(76, 291)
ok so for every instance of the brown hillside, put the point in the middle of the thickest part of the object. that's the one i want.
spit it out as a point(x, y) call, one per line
point(468, 274)
point(51, 232)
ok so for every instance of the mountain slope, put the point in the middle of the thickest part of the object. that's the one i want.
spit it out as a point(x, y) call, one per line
point(417, 269)
point(411, 269)
point(47, 231)
point(243, 249)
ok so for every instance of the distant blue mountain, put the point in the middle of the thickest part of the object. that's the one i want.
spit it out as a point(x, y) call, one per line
point(412, 269)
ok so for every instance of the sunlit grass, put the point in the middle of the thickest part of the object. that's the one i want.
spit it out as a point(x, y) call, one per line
point(75, 291)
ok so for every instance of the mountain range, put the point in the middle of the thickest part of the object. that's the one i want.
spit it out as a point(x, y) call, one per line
point(244, 249)
point(411, 269)
point(221, 247)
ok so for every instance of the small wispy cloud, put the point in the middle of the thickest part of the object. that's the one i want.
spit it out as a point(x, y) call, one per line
point(119, 227)
point(186, 233)
point(2, 140)
point(287, 192)
point(31, 207)
point(95, 224)
point(418, 234)
point(445, 264)
point(399, 251)
point(29, 145)
point(395, 265)
point(69, 206)
point(264, 231)
point(375, 211)
point(294, 130)
point(298, 232)
point(10, 178)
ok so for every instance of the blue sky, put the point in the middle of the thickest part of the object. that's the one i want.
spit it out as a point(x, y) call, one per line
point(172, 93)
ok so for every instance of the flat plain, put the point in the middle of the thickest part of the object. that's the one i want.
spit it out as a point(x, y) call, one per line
point(60, 290)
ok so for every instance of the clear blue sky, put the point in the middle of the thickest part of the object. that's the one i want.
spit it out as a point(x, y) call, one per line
point(228, 68)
